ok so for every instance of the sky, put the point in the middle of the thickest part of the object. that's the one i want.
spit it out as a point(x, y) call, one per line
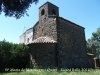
point(85, 13)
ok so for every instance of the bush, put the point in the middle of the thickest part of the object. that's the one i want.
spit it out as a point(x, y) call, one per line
point(13, 55)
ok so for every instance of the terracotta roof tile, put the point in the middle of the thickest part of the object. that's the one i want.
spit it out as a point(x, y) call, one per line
point(90, 54)
point(44, 39)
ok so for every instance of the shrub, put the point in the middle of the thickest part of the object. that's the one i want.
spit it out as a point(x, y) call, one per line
point(13, 55)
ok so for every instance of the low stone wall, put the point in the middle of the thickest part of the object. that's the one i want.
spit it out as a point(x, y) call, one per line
point(43, 54)
point(97, 63)
point(91, 61)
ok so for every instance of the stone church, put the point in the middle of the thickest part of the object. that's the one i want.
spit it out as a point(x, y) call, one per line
point(55, 42)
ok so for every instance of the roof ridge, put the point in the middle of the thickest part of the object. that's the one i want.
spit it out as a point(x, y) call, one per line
point(70, 22)
point(43, 39)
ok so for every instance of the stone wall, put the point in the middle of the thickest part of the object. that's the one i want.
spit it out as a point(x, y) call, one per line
point(91, 61)
point(52, 7)
point(44, 54)
point(97, 63)
point(46, 27)
point(71, 45)
point(48, 10)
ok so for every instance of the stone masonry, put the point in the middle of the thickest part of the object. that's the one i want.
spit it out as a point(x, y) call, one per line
point(57, 42)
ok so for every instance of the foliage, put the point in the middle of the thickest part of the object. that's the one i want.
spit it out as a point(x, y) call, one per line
point(93, 43)
point(13, 55)
point(47, 72)
point(16, 8)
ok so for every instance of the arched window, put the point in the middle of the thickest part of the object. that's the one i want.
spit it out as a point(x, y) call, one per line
point(27, 40)
point(32, 38)
point(42, 12)
point(53, 12)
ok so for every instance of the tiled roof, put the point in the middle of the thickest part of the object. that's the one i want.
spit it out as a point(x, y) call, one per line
point(90, 54)
point(95, 58)
point(44, 39)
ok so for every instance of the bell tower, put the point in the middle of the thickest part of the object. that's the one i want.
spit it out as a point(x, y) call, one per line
point(48, 9)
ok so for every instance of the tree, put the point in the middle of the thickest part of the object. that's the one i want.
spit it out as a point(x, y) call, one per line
point(93, 44)
point(15, 8)
point(4, 53)
point(13, 55)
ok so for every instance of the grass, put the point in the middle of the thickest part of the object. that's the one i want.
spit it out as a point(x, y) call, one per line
point(54, 72)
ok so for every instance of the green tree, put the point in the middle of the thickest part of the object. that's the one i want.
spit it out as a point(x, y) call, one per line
point(20, 56)
point(16, 8)
point(93, 44)
point(4, 53)
point(13, 55)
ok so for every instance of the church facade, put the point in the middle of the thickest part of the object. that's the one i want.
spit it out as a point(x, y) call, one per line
point(55, 42)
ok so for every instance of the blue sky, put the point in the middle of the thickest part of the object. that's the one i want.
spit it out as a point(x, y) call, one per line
point(85, 13)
